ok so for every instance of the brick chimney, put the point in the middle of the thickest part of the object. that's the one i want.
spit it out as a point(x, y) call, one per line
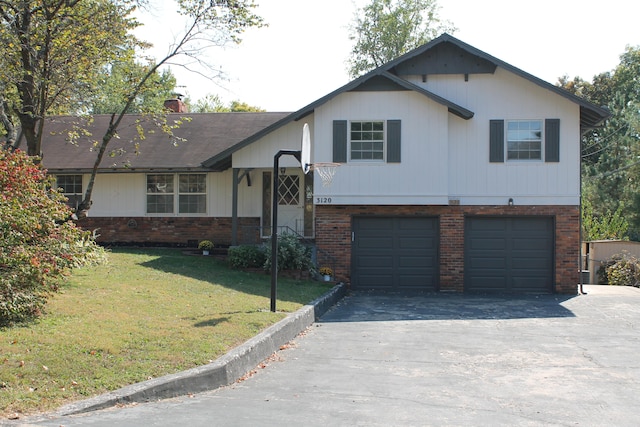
point(176, 105)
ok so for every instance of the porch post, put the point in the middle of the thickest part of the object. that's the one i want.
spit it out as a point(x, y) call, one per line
point(234, 209)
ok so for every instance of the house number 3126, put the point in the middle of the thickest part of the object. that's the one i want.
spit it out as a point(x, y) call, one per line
point(323, 200)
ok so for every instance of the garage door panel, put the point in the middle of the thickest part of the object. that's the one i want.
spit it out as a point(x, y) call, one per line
point(499, 263)
point(531, 226)
point(375, 223)
point(530, 264)
point(488, 244)
point(407, 282)
point(376, 242)
point(489, 224)
point(375, 281)
point(375, 261)
point(415, 243)
point(530, 244)
point(509, 254)
point(424, 263)
point(529, 284)
point(407, 247)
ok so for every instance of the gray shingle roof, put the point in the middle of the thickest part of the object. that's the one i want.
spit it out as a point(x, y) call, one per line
point(204, 135)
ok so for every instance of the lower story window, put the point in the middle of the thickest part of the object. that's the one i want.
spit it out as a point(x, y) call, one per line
point(190, 197)
point(71, 187)
point(192, 193)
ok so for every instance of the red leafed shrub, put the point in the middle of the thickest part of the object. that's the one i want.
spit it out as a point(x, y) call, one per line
point(39, 245)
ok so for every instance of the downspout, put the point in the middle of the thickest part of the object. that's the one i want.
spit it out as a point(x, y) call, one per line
point(580, 256)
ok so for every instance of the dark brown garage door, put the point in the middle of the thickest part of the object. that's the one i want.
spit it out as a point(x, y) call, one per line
point(513, 255)
point(395, 253)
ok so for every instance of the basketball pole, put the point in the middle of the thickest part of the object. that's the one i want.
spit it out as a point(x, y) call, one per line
point(274, 221)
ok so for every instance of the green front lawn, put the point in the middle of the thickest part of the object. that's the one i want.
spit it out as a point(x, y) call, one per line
point(145, 314)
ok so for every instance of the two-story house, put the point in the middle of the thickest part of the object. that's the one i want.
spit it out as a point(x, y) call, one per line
point(459, 172)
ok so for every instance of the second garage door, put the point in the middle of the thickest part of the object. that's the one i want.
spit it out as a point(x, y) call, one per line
point(395, 253)
point(509, 254)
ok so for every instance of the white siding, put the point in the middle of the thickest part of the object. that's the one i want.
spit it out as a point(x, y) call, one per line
point(261, 153)
point(249, 198)
point(118, 194)
point(444, 157)
point(124, 195)
point(421, 177)
point(503, 95)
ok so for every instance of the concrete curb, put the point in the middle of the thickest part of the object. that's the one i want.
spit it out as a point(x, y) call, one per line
point(223, 371)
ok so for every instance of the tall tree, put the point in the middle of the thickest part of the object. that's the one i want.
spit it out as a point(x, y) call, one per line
point(385, 29)
point(209, 23)
point(48, 49)
point(116, 81)
point(59, 48)
point(213, 104)
point(611, 154)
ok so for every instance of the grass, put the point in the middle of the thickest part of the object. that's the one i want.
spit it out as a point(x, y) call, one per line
point(145, 314)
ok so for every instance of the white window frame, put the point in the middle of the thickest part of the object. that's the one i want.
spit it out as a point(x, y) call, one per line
point(74, 198)
point(383, 140)
point(175, 192)
point(519, 137)
point(189, 193)
point(162, 189)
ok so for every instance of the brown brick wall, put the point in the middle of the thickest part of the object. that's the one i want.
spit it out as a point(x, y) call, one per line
point(333, 236)
point(170, 230)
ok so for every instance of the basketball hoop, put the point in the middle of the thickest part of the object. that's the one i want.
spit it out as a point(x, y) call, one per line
point(326, 172)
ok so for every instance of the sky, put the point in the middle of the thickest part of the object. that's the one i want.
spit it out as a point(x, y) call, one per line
point(302, 54)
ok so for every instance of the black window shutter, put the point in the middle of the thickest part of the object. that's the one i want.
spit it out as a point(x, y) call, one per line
point(394, 151)
point(340, 141)
point(552, 140)
point(496, 141)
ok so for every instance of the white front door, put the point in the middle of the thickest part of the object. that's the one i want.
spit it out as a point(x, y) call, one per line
point(291, 202)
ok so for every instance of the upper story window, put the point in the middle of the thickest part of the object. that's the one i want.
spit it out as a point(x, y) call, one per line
point(71, 187)
point(379, 141)
point(190, 197)
point(524, 140)
point(367, 140)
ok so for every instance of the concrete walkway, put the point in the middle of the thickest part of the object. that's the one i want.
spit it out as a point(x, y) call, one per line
point(432, 360)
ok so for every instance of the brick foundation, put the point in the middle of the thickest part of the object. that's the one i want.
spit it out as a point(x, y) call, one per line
point(333, 236)
point(178, 231)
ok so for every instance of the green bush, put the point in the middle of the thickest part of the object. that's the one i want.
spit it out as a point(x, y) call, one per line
point(39, 245)
point(246, 256)
point(608, 225)
point(292, 254)
point(620, 270)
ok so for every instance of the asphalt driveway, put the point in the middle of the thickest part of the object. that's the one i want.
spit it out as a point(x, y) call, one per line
point(432, 360)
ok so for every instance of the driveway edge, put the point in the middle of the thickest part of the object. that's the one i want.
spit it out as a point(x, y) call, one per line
point(223, 371)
